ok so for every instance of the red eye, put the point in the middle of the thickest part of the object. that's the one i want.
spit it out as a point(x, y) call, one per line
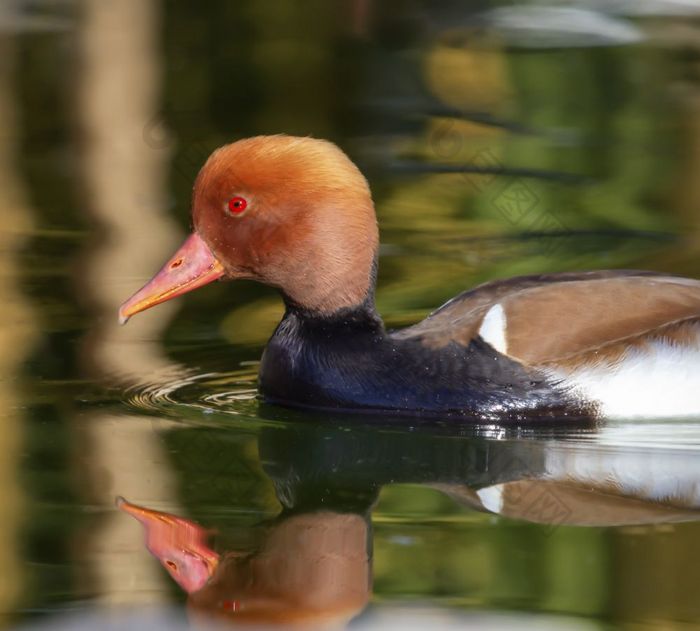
point(236, 205)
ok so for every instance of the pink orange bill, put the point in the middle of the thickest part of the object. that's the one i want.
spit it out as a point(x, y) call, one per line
point(192, 266)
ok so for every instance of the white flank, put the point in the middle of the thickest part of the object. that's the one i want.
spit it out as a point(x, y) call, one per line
point(659, 379)
point(493, 328)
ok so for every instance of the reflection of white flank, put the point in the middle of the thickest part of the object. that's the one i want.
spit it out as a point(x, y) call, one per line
point(492, 498)
point(660, 379)
point(661, 475)
point(493, 328)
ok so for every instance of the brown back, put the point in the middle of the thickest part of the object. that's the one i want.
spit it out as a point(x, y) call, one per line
point(555, 317)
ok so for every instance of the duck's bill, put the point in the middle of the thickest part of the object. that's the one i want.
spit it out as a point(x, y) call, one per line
point(192, 266)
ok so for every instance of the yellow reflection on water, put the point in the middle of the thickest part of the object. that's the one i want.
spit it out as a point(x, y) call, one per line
point(124, 178)
point(17, 334)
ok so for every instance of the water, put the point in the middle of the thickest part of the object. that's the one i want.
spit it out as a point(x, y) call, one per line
point(587, 144)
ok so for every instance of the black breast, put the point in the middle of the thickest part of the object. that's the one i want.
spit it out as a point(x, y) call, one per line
point(350, 363)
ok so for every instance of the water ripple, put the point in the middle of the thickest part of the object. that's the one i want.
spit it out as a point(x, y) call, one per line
point(234, 392)
point(229, 392)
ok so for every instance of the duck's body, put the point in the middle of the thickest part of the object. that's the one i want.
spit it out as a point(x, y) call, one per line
point(349, 362)
point(482, 354)
point(296, 214)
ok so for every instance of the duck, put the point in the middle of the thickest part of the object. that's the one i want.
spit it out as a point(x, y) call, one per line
point(296, 214)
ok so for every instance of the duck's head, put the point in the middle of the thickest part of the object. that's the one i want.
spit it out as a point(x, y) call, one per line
point(293, 213)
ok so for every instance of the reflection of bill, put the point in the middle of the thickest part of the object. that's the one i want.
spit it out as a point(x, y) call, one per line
point(310, 569)
point(180, 545)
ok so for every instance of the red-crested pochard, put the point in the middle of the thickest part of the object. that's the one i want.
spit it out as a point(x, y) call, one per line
point(297, 214)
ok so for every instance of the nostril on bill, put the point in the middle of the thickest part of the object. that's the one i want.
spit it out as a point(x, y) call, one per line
point(175, 264)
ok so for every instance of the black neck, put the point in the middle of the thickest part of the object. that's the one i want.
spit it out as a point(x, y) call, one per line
point(359, 319)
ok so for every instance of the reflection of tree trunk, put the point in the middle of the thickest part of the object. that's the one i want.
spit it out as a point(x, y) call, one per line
point(124, 179)
point(17, 332)
point(124, 456)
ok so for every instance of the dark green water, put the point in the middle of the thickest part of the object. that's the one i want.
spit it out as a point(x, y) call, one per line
point(588, 145)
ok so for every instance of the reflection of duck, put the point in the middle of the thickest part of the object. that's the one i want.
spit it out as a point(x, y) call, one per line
point(312, 564)
point(296, 214)
point(586, 483)
point(311, 569)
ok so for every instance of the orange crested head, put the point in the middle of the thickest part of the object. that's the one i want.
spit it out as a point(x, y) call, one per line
point(293, 213)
